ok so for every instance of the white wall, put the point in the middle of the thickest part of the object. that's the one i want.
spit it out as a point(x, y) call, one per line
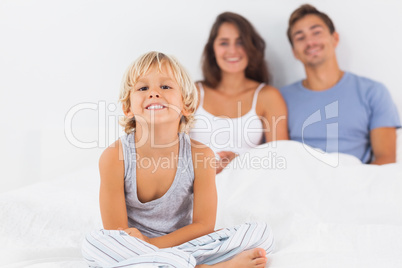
point(55, 55)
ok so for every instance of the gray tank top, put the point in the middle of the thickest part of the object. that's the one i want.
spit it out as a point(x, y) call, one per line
point(171, 211)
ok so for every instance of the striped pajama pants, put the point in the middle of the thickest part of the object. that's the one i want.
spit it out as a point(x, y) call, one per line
point(114, 248)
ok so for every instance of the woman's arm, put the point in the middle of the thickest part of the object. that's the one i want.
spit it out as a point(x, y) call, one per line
point(111, 196)
point(205, 201)
point(272, 107)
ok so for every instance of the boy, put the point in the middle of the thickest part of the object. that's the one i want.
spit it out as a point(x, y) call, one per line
point(158, 192)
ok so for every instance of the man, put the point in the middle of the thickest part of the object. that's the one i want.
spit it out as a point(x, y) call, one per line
point(334, 110)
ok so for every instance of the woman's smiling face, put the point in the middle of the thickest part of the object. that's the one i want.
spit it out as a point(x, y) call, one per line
point(230, 54)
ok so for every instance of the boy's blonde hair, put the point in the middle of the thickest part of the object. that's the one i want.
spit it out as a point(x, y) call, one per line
point(139, 68)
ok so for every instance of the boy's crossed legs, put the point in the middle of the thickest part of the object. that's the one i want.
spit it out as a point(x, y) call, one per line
point(241, 246)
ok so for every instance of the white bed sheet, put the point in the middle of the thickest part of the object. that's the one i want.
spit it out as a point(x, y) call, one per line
point(42, 225)
point(322, 216)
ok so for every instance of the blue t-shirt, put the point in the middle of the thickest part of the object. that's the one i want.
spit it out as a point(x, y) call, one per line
point(340, 119)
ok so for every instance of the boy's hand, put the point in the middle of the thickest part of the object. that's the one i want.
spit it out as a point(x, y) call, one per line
point(135, 233)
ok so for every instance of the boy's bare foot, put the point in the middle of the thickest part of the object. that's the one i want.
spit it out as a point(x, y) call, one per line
point(252, 258)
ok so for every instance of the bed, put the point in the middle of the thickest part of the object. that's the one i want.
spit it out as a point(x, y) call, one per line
point(326, 210)
point(349, 215)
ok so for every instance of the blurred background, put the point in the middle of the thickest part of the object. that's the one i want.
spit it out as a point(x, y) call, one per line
point(61, 63)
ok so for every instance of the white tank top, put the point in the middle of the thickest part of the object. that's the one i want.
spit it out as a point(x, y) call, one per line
point(222, 133)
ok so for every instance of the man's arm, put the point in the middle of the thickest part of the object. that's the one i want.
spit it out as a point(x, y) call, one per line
point(383, 143)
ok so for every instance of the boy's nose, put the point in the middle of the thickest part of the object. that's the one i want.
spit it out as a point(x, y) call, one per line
point(153, 95)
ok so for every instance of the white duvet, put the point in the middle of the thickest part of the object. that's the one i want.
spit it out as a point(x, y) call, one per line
point(322, 216)
point(325, 210)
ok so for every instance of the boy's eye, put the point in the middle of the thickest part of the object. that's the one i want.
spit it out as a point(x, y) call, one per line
point(165, 87)
point(143, 89)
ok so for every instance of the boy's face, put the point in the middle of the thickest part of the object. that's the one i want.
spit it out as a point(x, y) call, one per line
point(313, 44)
point(156, 98)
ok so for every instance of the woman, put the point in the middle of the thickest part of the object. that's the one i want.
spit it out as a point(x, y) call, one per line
point(237, 108)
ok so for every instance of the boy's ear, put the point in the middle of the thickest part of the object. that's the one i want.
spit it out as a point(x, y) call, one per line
point(185, 112)
point(127, 112)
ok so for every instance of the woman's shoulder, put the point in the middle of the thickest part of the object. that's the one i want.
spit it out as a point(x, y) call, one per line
point(270, 100)
point(269, 93)
point(268, 89)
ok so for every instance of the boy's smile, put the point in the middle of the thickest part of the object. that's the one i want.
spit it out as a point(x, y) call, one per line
point(156, 98)
point(155, 106)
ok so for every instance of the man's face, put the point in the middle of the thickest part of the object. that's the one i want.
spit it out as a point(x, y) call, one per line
point(313, 44)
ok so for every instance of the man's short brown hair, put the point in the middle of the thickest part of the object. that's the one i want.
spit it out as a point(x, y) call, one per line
point(303, 11)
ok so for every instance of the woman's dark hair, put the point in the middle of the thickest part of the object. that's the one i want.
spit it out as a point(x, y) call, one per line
point(253, 44)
